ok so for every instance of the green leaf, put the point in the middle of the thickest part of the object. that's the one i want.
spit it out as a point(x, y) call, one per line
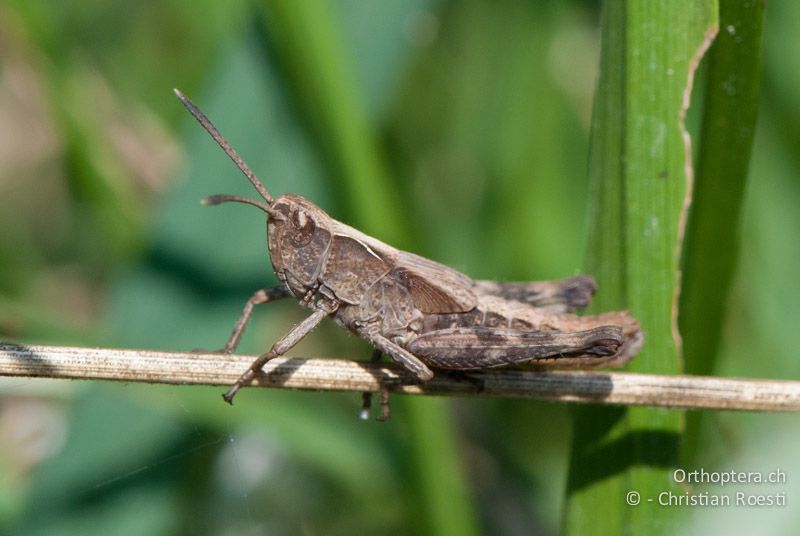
point(731, 106)
point(640, 180)
point(726, 140)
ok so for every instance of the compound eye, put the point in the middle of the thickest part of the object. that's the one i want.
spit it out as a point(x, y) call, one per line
point(303, 227)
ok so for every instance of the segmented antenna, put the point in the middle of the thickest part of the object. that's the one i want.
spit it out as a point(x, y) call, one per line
point(222, 142)
point(225, 198)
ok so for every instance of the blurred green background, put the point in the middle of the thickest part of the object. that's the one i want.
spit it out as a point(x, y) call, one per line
point(455, 129)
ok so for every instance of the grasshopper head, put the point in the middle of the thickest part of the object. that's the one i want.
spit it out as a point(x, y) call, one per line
point(298, 230)
point(299, 239)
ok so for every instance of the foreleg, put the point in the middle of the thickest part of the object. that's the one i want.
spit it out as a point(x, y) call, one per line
point(283, 345)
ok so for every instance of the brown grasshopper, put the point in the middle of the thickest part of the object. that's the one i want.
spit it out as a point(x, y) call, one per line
point(423, 314)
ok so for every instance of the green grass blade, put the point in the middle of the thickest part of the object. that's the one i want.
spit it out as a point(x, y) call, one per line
point(726, 140)
point(712, 236)
point(308, 47)
point(308, 44)
point(640, 179)
point(444, 505)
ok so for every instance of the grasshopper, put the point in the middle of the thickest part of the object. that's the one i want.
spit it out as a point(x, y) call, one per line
point(423, 314)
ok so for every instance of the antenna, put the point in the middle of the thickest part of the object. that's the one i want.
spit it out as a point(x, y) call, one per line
point(222, 142)
point(225, 198)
